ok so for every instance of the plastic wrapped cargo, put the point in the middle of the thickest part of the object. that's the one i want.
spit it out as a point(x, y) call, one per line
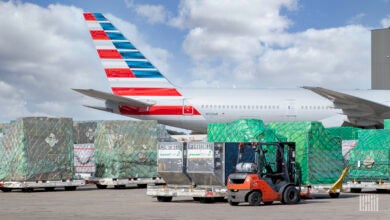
point(125, 149)
point(243, 130)
point(38, 148)
point(370, 159)
point(318, 155)
point(84, 132)
point(84, 160)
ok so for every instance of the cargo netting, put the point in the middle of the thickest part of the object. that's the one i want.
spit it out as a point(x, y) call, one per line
point(37, 148)
point(125, 149)
point(344, 133)
point(318, 155)
point(84, 132)
point(386, 123)
point(370, 159)
point(243, 130)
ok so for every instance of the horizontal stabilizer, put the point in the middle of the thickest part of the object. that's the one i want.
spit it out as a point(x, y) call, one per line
point(111, 97)
point(100, 108)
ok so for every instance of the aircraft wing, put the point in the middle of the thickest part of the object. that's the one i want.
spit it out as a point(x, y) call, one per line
point(360, 112)
point(113, 98)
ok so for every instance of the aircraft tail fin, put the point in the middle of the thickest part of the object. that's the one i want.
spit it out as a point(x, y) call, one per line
point(130, 74)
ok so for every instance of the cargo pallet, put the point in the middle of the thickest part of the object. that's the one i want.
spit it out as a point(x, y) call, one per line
point(357, 186)
point(198, 193)
point(48, 185)
point(103, 183)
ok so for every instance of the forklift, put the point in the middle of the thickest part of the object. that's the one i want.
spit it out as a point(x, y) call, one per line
point(273, 176)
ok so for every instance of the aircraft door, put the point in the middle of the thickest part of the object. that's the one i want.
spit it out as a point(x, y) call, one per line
point(188, 109)
point(291, 110)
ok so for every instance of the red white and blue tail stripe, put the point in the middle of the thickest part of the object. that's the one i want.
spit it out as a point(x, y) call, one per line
point(130, 74)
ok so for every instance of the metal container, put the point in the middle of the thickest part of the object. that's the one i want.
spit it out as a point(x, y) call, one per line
point(211, 163)
point(171, 163)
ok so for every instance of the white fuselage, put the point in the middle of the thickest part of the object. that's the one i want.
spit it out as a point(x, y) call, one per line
point(269, 105)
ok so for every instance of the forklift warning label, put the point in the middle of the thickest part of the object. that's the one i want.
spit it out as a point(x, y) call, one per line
point(199, 153)
point(170, 154)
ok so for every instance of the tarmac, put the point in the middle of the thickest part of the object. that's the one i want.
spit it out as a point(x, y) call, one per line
point(132, 203)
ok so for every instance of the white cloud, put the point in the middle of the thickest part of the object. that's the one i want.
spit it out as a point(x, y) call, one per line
point(356, 19)
point(44, 53)
point(153, 13)
point(386, 22)
point(251, 46)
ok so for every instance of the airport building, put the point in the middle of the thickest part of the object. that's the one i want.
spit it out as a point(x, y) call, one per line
point(380, 58)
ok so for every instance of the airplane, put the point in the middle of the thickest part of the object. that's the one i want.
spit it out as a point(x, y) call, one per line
point(141, 91)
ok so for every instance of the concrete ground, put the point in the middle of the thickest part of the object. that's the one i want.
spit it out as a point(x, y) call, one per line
point(132, 203)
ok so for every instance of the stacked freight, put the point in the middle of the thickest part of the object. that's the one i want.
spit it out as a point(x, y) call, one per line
point(36, 149)
point(370, 159)
point(125, 149)
point(348, 137)
point(83, 138)
point(317, 154)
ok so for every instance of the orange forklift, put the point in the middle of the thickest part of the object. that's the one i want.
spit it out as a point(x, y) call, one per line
point(273, 176)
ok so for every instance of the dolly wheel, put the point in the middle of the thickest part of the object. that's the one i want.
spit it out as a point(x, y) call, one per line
point(290, 195)
point(70, 188)
point(254, 198)
point(334, 195)
point(356, 190)
point(101, 186)
point(164, 198)
point(6, 189)
point(49, 189)
point(142, 186)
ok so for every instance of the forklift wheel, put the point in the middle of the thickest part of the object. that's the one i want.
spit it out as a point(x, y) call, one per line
point(290, 195)
point(334, 195)
point(254, 198)
point(233, 203)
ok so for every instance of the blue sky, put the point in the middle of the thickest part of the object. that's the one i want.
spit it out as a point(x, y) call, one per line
point(46, 48)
